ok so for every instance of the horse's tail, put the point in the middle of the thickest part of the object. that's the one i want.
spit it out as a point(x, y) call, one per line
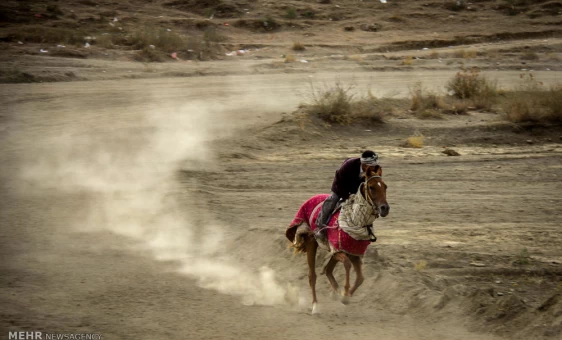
point(302, 236)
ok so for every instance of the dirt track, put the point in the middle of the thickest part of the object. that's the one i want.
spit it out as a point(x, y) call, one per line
point(123, 201)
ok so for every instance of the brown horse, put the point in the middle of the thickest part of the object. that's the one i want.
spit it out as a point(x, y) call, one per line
point(343, 248)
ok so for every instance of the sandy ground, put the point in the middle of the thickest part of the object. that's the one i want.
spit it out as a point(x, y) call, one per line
point(155, 208)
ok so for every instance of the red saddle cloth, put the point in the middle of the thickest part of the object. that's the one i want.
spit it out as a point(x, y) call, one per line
point(341, 241)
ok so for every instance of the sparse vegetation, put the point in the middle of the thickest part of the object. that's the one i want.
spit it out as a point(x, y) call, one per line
point(471, 85)
point(396, 18)
point(308, 14)
point(291, 13)
point(290, 58)
point(420, 266)
point(532, 102)
point(149, 54)
point(434, 55)
point(455, 5)
point(54, 9)
point(164, 40)
point(414, 141)
point(529, 55)
point(42, 34)
point(522, 258)
point(211, 34)
point(332, 104)
point(408, 61)
point(465, 54)
point(422, 100)
point(340, 105)
point(298, 46)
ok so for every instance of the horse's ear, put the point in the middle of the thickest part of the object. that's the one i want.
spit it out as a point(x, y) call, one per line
point(375, 170)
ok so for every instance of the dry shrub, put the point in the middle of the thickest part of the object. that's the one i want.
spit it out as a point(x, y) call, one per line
point(42, 34)
point(420, 266)
point(211, 34)
point(372, 109)
point(533, 102)
point(332, 104)
point(298, 46)
point(465, 54)
point(530, 55)
point(407, 61)
point(471, 85)
point(339, 104)
point(455, 5)
point(148, 54)
point(161, 38)
point(429, 114)
point(414, 141)
point(434, 55)
point(290, 58)
point(458, 107)
point(552, 56)
point(422, 100)
point(396, 18)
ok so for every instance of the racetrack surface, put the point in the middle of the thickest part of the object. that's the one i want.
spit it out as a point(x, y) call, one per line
point(156, 208)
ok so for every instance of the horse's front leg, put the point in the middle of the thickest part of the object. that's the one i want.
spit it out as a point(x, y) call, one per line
point(358, 266)
point(311, 247)
point(343, 258)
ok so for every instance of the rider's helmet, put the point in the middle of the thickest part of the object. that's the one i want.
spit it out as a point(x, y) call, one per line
point(369, 157)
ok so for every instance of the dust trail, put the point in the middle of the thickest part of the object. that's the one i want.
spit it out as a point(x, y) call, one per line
point(129, 167)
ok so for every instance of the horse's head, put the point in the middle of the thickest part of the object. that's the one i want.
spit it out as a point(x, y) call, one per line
point(376, 190)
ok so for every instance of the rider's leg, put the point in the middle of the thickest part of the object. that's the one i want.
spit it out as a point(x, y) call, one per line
point(327, 210)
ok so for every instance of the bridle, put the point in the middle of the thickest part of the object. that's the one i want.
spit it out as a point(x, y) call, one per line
point(368, 197)
point(375, 209)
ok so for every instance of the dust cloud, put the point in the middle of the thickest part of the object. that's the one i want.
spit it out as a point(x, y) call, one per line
point(128, 165)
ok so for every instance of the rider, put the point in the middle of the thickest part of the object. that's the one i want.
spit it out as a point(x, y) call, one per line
point(346, 182)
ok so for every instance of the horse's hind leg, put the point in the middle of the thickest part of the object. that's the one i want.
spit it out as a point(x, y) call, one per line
point(357, 265)
point(311, 247)
point(330, 274)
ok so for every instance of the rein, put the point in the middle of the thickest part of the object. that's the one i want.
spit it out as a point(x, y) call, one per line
point(372, 236)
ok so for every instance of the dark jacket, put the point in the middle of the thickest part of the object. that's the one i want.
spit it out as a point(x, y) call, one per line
point(347, 179)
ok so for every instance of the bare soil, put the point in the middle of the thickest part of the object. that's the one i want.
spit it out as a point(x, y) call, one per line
point(149, 200)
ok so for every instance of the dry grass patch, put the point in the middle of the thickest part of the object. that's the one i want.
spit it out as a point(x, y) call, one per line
point(533, 102)
point(290, 59)
point(422, 100)
point(149, 54)
point(465, 54)
point(471, 85)
point(339, 104)
point(298, 46)
point(414, 141)
point(530, 55)
point(434, 55)
point(42, 34)
point(407, 61)
point(164, 40)
point(396, 18)
point(429, 114)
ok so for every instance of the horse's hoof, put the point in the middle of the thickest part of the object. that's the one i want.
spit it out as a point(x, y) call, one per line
point(334, 295)
point(345, 299)
point(315, 309)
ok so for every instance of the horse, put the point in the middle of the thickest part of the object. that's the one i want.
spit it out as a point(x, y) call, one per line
point(342, 247)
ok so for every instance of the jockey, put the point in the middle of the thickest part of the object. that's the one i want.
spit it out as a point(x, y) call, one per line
point(346, 182)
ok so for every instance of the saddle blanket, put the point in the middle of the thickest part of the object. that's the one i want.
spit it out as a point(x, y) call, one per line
point(337, 238)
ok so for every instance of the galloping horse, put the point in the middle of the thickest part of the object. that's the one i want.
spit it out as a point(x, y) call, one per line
point(342, 247)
